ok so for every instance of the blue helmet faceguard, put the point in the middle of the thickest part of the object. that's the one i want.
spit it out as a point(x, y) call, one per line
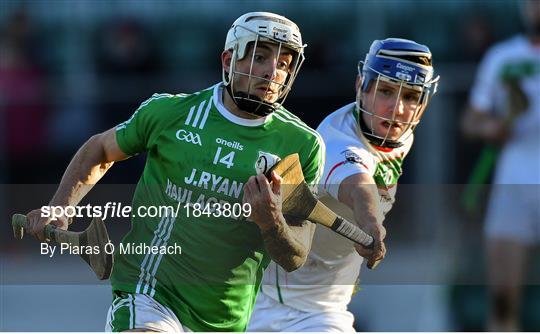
point(403, 63)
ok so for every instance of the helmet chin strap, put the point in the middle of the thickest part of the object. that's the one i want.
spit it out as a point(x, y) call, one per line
point(250, 103)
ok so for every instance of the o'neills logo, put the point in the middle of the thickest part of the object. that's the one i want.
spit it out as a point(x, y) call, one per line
point(189, 137)
point(232, 144)
point(265, 162)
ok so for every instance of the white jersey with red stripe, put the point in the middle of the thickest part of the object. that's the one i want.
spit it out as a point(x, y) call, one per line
point(327, 280)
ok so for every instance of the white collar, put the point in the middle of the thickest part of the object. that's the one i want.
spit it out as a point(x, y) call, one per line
point(218, 102)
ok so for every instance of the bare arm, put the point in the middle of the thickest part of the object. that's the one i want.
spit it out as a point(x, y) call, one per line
point(359, 193)
point(86, 168)
point(288, 245)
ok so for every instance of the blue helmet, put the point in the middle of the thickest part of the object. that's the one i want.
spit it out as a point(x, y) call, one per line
point(402, 62)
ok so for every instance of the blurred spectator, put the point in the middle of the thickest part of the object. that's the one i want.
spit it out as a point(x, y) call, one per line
point(127, 63)
point(505, 112)
point(476, 36)
point(23, 99)
point(128, 66)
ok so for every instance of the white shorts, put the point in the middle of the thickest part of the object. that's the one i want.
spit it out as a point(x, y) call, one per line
point(272, 316)
point(519, 162)
point(133, 310)
point(513, 213)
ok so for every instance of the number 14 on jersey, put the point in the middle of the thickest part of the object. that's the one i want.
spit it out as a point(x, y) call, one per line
point(226, 159)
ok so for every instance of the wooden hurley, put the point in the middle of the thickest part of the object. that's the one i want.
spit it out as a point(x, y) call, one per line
point(95, 235)
point(299, 202)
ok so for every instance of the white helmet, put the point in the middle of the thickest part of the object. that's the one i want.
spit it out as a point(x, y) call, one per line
point(257, 27)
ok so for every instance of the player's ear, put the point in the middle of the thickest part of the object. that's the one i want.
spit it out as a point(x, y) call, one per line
point(226, 58)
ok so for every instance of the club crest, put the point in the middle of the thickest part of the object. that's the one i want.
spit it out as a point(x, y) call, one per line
point(265, 162)
point(352, 157)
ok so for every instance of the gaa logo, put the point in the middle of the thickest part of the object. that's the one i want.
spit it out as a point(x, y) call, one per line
point(265, 162)
point(188, 136)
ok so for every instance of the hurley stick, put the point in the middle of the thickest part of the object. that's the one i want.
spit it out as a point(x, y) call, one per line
point(299, 202)
point(95, 235)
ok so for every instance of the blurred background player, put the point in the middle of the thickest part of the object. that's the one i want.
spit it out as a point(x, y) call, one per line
point(504, 111)
point(203, 150)
point(366, 143)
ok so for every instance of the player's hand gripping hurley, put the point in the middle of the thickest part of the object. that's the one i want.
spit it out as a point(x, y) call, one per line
point(299, 202)
point(95, 235)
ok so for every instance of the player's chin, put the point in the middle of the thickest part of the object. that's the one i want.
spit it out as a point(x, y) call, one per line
point(270, 98)
point(390, 134)
point(261, 96)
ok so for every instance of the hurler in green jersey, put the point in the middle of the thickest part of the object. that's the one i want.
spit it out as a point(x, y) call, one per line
point(206, 220)
point(202, 149)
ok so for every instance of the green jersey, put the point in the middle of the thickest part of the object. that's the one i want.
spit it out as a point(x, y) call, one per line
point(199, 156)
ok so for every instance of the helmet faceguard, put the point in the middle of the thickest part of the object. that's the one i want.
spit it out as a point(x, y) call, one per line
point(404, 64)
point(249, 31)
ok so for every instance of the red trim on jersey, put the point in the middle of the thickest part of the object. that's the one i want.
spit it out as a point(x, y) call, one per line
point(366, 167)
point(382, 149)
point(332, 170)
point(336, 166)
